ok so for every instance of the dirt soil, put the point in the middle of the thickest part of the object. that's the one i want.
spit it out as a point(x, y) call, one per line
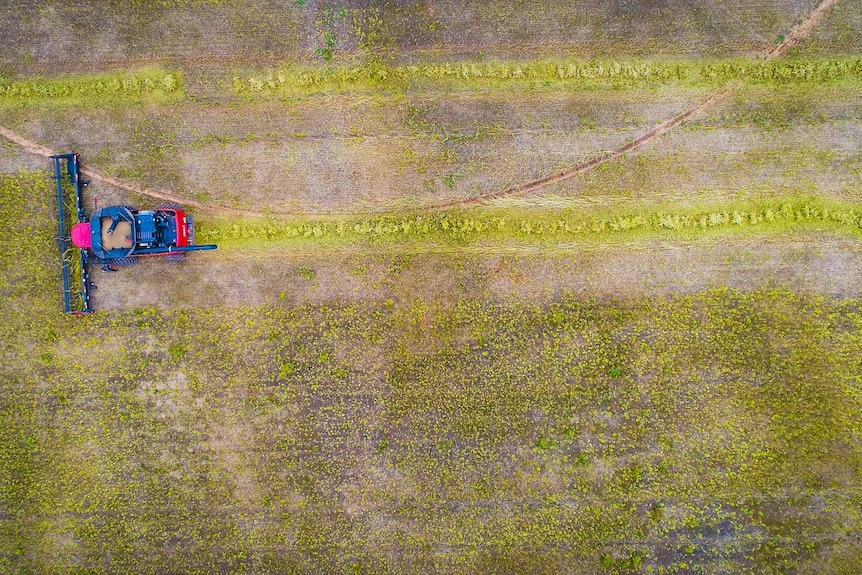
point(801, 30)
point(823, 265)
point(363, 157)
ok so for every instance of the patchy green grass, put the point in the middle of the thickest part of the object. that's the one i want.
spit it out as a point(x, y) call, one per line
point(27, 261)
point(486, 227)
point(374, 75)
point(148, 85)
point(592, 436)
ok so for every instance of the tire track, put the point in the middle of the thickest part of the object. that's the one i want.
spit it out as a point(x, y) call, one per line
point(659, 130)
point(167, 196)
point(797, 34)
point(94, 174)
point(24, 143)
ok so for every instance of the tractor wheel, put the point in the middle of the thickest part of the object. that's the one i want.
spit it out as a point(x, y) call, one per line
point(170, 206)
point(180, 257)
point(124, 261)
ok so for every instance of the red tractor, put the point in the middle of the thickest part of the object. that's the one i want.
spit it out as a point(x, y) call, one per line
point(116, 235)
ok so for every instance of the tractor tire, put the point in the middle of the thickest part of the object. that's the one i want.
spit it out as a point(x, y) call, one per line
point(180, 257)
point(170, 206)
point(124, 261)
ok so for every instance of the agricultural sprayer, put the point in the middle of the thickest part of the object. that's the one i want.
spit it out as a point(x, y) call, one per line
point(112, 236)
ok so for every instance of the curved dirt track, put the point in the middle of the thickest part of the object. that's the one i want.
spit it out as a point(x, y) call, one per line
point(167, 196)
point(28, 146)
point(35, 148)
point(662, 128)
point(797, 34)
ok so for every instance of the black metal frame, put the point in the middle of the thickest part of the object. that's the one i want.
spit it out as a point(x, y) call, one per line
point(73, 171)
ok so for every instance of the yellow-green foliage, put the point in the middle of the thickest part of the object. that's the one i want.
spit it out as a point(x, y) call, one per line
point(376, 73)
point(475, 225)
point(785, 71)
point(602, 433)
point(405, 436)
point(92, 89)
point(29, 258)
point(594, 73)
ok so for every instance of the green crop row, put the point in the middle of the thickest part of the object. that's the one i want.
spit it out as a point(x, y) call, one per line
point(821, 70)
point(374, 73)
point(309, 79)
point(143, 84)
point(473, 225)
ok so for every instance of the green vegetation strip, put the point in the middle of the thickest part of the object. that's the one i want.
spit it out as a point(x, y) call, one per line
point(158, 85)
point(150, 85)
point(593, 74)
point(487, 226)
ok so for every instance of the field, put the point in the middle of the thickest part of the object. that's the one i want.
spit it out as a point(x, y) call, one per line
point(501, 287)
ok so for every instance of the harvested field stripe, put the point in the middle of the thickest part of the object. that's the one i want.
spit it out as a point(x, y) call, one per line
point(164, 195)
point(35, 148)
point(662, 128)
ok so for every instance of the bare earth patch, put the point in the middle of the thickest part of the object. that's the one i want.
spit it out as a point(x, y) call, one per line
point(827, 266)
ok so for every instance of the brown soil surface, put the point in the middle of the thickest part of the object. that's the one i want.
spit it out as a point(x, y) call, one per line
point(825, 265)
point(333, 155)
point(35, 148)
point(83, 35)
point(536, 185)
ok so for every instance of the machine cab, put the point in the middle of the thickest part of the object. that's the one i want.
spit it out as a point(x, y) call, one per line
point(118, 232)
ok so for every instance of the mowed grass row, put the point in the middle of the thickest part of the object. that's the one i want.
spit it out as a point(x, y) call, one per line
point(563, 222)
point(149, 85)
point(375, 76)
point(584, 436)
